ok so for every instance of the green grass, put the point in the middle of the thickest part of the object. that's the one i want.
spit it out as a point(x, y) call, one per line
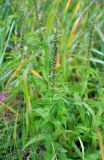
point(51, 79)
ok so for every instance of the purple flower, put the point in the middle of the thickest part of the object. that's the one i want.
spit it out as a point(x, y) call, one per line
point(2, 97)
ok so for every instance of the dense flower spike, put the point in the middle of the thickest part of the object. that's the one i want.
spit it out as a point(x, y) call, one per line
point(54, 49)
point(38, 19)
point(91, 37)
point(36, 13)
point(89, 46)
point(23, 26)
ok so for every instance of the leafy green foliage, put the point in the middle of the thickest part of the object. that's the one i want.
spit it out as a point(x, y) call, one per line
point(51, 73)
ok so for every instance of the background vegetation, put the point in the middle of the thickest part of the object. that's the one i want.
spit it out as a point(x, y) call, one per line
point(51, 80)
